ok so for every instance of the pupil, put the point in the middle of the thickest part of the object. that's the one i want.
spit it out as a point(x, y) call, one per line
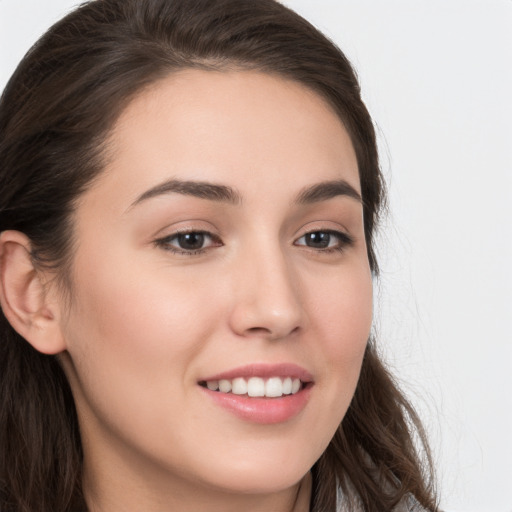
point(191, 240)
point(319, 239)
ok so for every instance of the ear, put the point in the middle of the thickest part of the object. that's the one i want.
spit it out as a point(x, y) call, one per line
point(26, 303)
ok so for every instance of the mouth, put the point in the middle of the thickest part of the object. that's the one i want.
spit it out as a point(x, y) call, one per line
point(260, 393)
point(271, 387)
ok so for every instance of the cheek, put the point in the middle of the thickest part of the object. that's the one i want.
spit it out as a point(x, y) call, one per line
point(133, 309)
point(342, 310)
point(342, 320)
point(133, 333)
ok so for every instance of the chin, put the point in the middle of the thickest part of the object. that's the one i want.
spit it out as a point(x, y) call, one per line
point(264, 481)
point(259, 475)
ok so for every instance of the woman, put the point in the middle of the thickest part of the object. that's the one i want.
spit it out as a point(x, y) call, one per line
point(189, 193)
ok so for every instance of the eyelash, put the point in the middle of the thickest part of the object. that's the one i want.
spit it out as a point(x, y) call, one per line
point(344, 241)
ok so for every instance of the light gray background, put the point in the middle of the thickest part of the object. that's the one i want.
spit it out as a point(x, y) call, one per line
point(437, 77)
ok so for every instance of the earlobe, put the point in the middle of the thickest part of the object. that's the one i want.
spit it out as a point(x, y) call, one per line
point(23, 298)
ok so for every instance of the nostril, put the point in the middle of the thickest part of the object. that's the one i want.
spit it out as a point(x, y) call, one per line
point(258, 330)
point(272, 334)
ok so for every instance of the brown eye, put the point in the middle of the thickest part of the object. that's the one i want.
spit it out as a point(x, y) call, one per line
point(325, 240)
point(191, 242)
point(318, 239)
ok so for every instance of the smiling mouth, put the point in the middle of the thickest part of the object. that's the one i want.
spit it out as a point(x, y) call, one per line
point(273, 387)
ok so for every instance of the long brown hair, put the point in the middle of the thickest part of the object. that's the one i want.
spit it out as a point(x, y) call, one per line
point(55, 115)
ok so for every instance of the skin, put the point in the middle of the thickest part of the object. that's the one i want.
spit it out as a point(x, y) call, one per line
point(148, 319)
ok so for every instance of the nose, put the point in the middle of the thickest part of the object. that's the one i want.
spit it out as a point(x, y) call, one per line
point(266, 297)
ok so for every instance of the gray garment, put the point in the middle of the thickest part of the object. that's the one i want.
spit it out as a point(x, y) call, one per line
point(407, 504)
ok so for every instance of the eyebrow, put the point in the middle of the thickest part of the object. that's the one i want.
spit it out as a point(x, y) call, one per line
point(200, 189)
point(226, 194)
point(327, 190)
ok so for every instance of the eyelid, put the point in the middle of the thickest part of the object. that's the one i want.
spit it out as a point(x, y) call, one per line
point(344, 239)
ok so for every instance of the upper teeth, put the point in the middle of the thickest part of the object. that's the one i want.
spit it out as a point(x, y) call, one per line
point(256, 386)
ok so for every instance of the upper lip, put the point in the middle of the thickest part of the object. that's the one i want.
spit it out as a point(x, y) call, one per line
point(263, 370)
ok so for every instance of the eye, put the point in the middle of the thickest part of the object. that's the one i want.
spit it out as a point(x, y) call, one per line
point(189, 242)
point(325, 240)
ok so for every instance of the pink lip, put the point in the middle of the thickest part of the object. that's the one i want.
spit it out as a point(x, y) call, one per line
point(262, 410)
point(264, 370)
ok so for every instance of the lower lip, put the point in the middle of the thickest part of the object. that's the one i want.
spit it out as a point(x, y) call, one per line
point(262, 410)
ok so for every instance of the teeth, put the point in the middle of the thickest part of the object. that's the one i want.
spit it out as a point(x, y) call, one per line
point(224, 386)
point(256, 386)
point(287, 386)
point(274, 387)
point(239, 386)
point(213, 385)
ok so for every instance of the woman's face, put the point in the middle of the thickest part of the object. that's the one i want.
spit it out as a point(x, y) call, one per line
point(222, 246)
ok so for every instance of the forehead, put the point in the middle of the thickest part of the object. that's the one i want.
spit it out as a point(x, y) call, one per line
point(235, 127)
